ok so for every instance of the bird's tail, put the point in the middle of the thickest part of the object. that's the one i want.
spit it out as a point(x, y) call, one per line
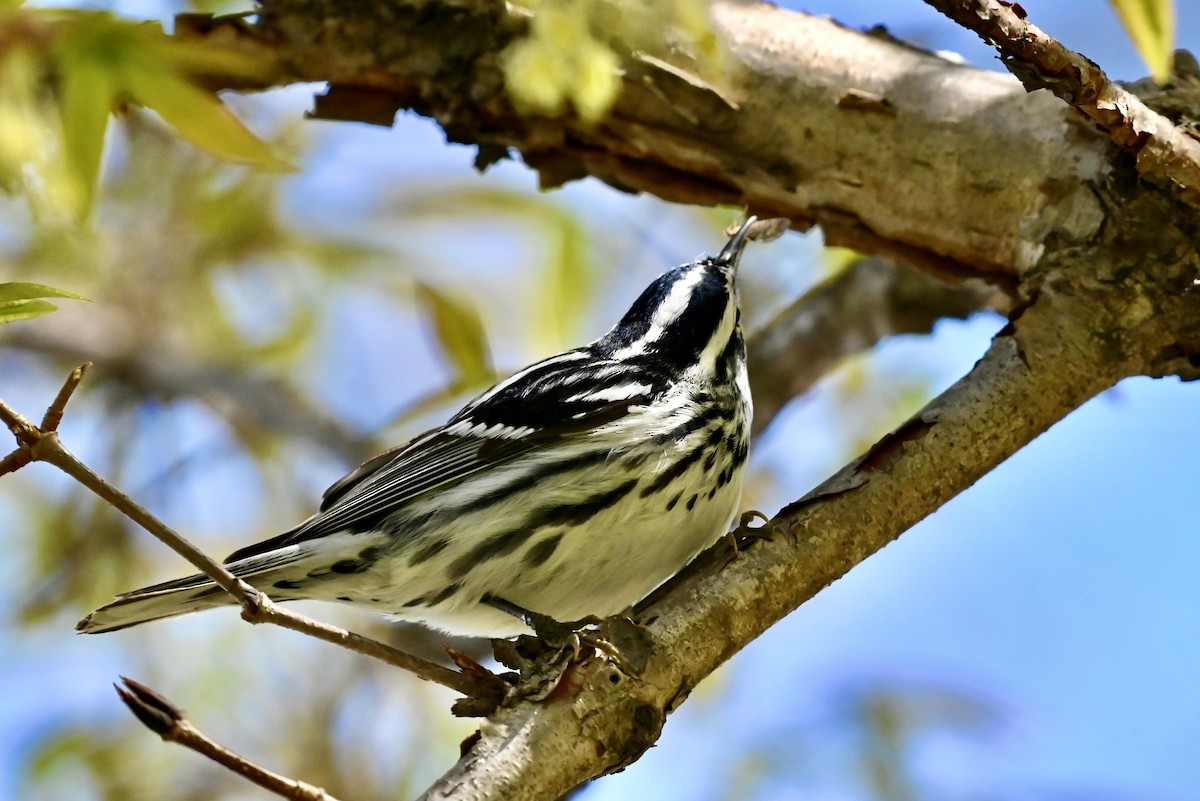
point(280, 573)
point(168, 599)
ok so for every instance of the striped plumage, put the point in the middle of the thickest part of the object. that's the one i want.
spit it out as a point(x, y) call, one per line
point(573, 488)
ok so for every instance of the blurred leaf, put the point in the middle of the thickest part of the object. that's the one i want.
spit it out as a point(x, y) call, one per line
point(535, 77)
point(221, 7)
point(24, 310)
point(598, 81)
point(834, 259)
point(49, 754)
point(19, 290)
point(560, 59)
point(199, 117)
point(212, 58)
point(1151, 27)
point(573, 50)
point(86, 98)
point(563, 282)
point(459, 333)
point(57, 92)
point(20, 301)
point(22, 123)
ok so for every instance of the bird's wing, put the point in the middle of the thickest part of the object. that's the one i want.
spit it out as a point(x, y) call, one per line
point(539, 406)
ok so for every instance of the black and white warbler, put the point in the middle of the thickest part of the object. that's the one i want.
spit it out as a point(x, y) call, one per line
point(570, 490)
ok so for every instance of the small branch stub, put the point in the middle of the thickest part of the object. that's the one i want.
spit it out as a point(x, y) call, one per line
point(168, 721)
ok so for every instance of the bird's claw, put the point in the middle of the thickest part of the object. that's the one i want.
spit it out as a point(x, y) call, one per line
point(576, 636)
point(561, 635)
point(548, 660)
point(743, 536)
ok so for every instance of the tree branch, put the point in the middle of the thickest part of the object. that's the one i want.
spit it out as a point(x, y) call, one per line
point(168, 721)
point(869, 300)
point(1165, 155)
point(1095, 315)
point(35, 444)
point(916, 173)
point(1032, 376)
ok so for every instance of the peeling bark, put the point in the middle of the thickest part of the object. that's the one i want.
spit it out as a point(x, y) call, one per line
point(890, 149)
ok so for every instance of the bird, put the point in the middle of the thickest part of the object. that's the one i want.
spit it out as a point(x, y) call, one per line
point(570, 490)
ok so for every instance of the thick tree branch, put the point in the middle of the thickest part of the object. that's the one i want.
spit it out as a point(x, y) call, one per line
point(848, 314)
point(1029, 379)
point(1165, 155)
point(1096, 315)
point(891, 149)
point(168, 721)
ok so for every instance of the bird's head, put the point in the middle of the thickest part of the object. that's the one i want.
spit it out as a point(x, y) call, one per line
point(677, 317)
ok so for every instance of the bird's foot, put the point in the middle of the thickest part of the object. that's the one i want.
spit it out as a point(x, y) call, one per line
point(745, 536)
point(548, 660)
point(573, 635)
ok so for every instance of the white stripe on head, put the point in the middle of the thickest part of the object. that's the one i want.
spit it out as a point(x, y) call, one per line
point(669, 310)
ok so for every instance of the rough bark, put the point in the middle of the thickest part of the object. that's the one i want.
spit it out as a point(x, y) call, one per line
point(891, 149)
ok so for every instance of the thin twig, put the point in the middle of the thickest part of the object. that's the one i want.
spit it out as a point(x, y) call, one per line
point(15, 461)
point(1165, 155)
point(45, 446)
point(54, 414)
point(49, 448)
point(168, 721)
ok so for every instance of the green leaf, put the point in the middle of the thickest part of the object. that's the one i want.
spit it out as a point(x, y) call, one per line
point(565, 281)
point(459, 333)
point(20, 301)
point(598, 81)
point(24, 310)
point(198, 116)
point(1151, 26)
point(86, 98)
point(19, 290)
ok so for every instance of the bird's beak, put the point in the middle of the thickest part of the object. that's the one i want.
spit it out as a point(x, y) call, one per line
point(733, 249)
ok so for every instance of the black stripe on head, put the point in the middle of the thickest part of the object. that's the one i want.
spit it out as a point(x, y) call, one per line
point(636, 322)
point(687, 323)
